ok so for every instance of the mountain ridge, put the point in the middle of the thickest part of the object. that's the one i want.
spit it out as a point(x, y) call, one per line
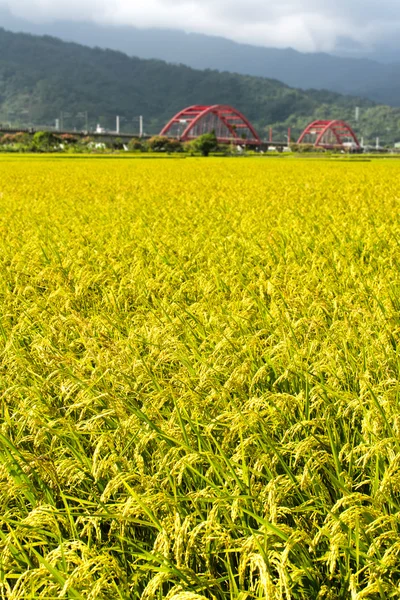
point(357, 76)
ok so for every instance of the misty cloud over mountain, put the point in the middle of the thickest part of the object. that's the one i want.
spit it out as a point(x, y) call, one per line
point(353, 26)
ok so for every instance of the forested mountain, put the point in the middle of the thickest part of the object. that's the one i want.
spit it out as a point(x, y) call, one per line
point(349, 75)
point(43, 78)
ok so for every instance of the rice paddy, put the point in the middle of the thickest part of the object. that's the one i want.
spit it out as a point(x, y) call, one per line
point(199, 379)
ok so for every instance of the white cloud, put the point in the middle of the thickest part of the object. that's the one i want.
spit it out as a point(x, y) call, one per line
point(303, 24)
point(47, 10)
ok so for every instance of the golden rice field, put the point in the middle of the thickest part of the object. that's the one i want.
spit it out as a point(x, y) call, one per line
point(200, 393)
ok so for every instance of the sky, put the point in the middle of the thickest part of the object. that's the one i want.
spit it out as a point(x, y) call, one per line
point(306, 25)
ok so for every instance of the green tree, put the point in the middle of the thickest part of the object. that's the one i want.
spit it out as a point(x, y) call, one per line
point(45, 141)
point(158, 143)
point(206, 143)
point(174, 145)
point(136, 145)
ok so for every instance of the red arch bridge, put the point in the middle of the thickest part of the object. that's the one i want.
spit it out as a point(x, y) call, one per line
point(228, 124)
point(231, 126)
point(330, 135)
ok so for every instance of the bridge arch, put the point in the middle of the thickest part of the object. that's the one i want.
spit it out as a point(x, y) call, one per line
point(229, 125)
point(329, 134)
